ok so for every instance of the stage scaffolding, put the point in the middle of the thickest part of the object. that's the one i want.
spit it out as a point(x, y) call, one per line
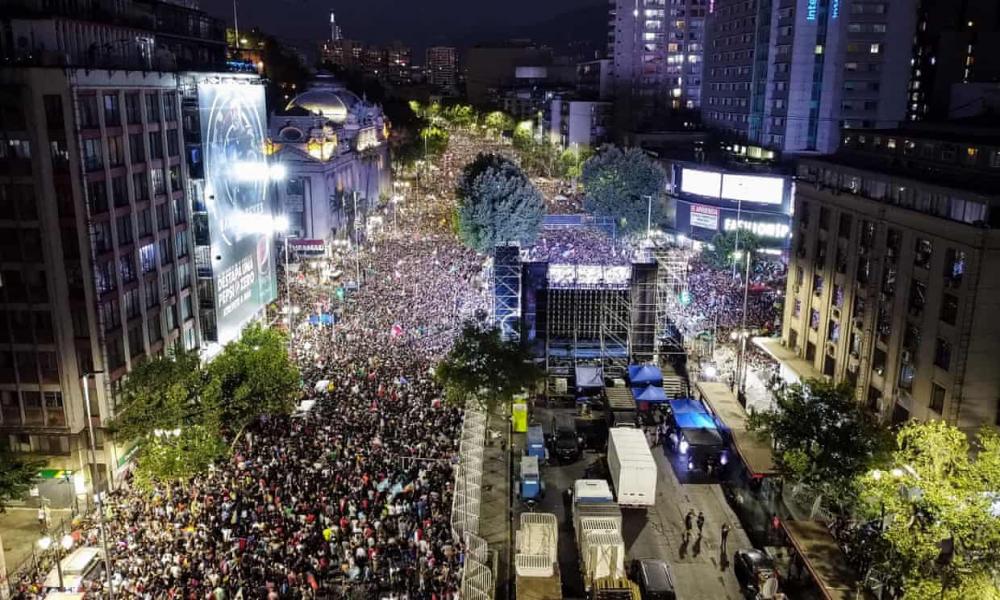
point(608, 324)
point(671, 286)
point(506, 297)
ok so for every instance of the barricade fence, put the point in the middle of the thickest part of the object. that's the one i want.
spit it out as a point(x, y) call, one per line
point(478, 580)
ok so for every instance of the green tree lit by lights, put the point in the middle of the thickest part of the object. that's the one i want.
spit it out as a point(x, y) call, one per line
point(497, 204)
point(938, 502)
point(483, 369)
point(623, 185)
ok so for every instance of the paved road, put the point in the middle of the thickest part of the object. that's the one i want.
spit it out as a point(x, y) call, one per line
point(20, 532)
point(657, 533)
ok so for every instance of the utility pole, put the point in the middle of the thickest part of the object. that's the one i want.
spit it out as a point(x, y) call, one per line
point(93, 483)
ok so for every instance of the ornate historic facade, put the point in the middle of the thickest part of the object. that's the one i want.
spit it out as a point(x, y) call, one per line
point(333, 146)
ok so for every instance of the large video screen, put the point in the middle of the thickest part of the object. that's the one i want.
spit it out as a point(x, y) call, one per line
point(240, 210)
point(753, 188)
point(702, 183)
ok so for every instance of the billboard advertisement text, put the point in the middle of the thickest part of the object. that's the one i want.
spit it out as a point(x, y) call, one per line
point(239, 206)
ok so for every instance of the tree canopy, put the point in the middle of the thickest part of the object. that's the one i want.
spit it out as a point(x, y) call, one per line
point(182, 411)
point(498, 122)
point(482, 368)
point(720, 255)
point(619, 183)
point(252, 376)
point(939, 505)
point(165, 392)
point(497, 204)
point(823, 438)
point(17, 476)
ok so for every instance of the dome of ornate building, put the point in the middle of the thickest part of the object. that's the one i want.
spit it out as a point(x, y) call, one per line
point(326, 97)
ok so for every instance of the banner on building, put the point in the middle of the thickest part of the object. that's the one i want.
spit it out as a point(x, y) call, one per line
point(706, 217)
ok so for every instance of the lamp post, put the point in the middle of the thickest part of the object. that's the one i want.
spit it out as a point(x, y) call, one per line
point(736, 243)
point(93, 482)
point(649, 214)
point(65, 543)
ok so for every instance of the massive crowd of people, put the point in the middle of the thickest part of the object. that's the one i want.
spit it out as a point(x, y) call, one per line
point(715, 299)
point(580, 245)
point(350, 498)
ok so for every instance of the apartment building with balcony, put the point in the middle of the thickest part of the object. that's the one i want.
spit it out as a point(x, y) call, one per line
point(95, 250)
point(894, 274)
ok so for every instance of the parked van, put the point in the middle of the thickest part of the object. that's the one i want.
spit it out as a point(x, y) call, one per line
point(79, 566)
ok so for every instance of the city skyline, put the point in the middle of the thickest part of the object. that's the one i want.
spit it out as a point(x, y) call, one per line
point(421, 25)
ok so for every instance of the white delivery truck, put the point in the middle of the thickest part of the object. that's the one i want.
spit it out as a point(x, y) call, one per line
point(597, 521)
point(633, 469)
point(536, 563)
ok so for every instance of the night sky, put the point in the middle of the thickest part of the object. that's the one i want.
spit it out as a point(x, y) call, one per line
point(419, 23)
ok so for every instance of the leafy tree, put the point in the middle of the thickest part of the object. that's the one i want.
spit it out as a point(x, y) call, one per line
point(497, 204)
point(571, 161)
point(429, 113)
point(435, 140)
point(203, 404)
point(619, 183)
point(252, 376)
point(17, 476)
point(180, 457)
point(823, 438)
point(720, 255)
point(498, 122)
point(937, 504)
point(460, 115)
point(484, 369)
point(162, 393)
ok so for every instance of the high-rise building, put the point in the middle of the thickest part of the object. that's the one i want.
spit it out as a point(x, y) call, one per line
point(96, 252)
point(790, 75)
point(656, 48)
point(578, 123)
point(442, 66)
point(956, 43)
point(894, 274)
point(335, 33)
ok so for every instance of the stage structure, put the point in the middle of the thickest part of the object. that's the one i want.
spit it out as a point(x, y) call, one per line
point(572, 312)
point(671, 290)
point(506, 310)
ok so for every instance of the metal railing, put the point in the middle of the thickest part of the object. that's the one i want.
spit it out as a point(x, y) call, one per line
point(467, 499)
point(478, 580)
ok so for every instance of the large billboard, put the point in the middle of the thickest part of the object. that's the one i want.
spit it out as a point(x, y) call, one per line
point(240, 212)
point(732, 187)
point(753, 188)
point(701, 183)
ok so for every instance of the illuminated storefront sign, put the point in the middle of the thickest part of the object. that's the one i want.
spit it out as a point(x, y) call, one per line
point(764, 229)
point(241, 220)
point(706, 217)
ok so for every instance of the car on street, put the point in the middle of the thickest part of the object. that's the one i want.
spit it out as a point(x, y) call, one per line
point(654, 579)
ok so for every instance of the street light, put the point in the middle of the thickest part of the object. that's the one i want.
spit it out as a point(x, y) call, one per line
point(93, 482)
point(66, 542)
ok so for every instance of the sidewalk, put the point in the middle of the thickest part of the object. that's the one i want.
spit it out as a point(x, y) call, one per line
point(494, 520)
point(20, 532)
